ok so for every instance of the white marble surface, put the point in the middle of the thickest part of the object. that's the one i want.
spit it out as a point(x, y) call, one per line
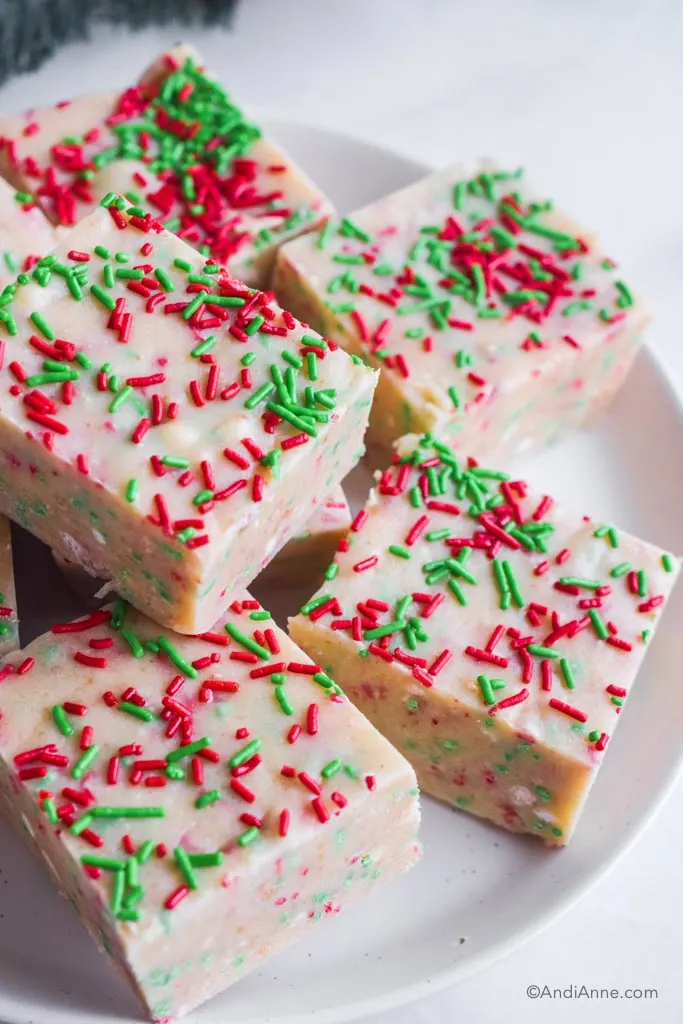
point(588, 95)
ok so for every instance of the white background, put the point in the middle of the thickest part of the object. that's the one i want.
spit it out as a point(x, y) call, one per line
point(589, 96)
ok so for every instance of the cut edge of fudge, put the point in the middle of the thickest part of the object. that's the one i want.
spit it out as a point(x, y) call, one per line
point(271, 821)
point(9, 620)
point(520, 661)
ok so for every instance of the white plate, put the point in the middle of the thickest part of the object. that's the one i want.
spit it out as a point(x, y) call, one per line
point(478, 892)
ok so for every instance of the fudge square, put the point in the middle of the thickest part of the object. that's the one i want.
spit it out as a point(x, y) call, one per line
point(25, 233)
point(200, 801)
point(162, 424)
point(9, 625)
point(178, 144)
point(491, 634)
point(495, 319)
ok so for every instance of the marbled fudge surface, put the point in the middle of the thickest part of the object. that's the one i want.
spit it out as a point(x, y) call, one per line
point(176, 143)
point(495, 319)
point(162, 424)
point(25, 233)
point(201, 801)
point(490, 633)
point(9, 624)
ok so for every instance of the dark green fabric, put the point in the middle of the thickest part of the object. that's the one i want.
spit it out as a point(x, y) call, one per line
point(32, 30)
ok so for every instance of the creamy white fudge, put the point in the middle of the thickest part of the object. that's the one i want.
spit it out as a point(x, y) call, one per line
point(25, 233)
point(200, 801)
point(9, 624)
point(176, 143)
point(491, 634)
point(162, 424)
point(495, 319)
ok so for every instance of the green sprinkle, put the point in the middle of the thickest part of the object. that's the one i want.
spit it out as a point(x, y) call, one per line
point(61, 721)
point(542, 652)
point(102, 252)
point(387, 630)
point(182, 264)
point(99, 293)
point(146, 850)
point(164, 280)
point(80, 826)
point(42, 325)
point(202, 497)
point(144, 714)
point(513, 585)
point(486, 690)
point(259, 395)
point(206, 860)
point(668, 563)
point(212, 796)
point(454, 396)
point(326, 233)
point(598, 625)
point(118, 615)
point(186, 870)
point(84, 761)
point(246, 641)
point(106, 863)
point(247, 751)
point(50, 808)
point(331, 768)
point(175, 657)
point(123, 395)
point(108, 201)
point(204, 346)
point(191, 308)
point(641, 576)
point(576, 307)
point(322, 679)
point(292, 359)
point(136, 647)
point(567, 674)
point(188, 749)
point(248, 837)
point(399, 551)
point(625, 294)
point(281, 698)
point(331, 571)
point(620, 570)
point(578, 581)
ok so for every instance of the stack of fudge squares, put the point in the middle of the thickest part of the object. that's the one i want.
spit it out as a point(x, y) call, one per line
point(201, 788)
